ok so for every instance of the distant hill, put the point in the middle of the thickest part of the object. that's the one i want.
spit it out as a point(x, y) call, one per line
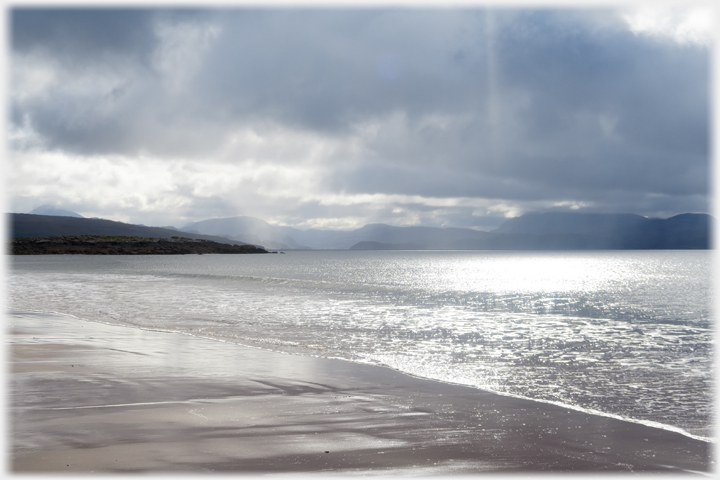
point(535, 231)
point(571, 223)
point(294, 238)
point(29, 225)
point(607, 231)
point(422, 238)
point(365, 245)
point(54, 211)
point(547, 231)
point(249, 229)
point(575, 231)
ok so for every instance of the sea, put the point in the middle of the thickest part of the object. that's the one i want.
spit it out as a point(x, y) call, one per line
point(626, 334)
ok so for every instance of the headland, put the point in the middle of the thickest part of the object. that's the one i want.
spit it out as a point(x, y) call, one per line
point(121, 245)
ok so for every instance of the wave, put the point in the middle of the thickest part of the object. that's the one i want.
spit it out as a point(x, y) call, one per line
point(370, 361)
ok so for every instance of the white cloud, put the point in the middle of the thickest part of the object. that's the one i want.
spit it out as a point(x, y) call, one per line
point(682, 25)
point(32, 76)
point(158, 191)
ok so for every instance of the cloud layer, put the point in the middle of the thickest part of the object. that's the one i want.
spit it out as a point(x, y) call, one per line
point(337, 118)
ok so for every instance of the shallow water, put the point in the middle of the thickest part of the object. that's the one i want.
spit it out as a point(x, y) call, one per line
point(625, 333)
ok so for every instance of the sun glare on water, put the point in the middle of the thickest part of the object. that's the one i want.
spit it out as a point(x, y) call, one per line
point(546, 272)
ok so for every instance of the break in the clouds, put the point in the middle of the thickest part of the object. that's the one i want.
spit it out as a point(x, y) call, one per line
point(340, 117)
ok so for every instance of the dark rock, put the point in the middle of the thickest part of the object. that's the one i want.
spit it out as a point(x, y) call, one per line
point(115, 245)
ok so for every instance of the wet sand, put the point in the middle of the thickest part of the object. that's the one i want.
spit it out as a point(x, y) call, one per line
point(88, 397)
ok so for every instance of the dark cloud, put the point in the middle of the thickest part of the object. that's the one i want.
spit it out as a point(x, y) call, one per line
point(329, 69)
point(657, 92)
point(82, 35)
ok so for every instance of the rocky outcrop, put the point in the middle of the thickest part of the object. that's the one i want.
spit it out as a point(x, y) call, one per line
point(118, 245)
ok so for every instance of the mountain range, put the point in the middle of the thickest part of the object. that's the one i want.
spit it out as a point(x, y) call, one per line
point(54, 211)
point(534, 231)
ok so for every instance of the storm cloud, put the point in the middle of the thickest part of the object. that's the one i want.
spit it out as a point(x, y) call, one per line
point(340, 117)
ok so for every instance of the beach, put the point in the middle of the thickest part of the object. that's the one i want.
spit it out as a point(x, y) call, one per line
point(91, 397)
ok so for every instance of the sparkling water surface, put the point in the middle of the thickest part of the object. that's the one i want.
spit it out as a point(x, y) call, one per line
point(619, 332)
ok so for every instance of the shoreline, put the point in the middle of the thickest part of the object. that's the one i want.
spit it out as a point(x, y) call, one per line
point(587, 411)
point(93, 397)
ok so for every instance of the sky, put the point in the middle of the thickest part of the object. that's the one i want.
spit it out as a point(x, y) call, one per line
point(339, 117)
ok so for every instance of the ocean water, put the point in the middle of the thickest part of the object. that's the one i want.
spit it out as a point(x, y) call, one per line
point(621, 333)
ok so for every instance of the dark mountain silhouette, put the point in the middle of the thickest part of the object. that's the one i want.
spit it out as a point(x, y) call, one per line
point(606, 231)
point(29, 225)
point(546, 231)
point(118, 245)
